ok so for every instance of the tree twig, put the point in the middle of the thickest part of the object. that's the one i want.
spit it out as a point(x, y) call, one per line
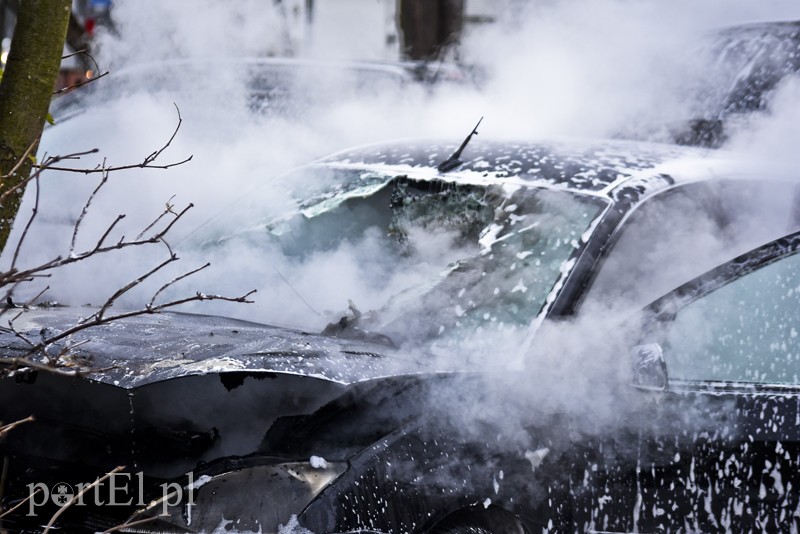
point(14, 275)
point(42, 167)
point(21, 239)
point(174, 281)
point(147, 163)
point(124, 167)
point(79, 84)
point(130, 285)
point(83, 52)
point(21, 503)
point(164, 213)
point(97, 321)
point(21, 362)
point(152, 157)
point(85, 209)
point(11, 426)
point(78, 495)
point(21, 160)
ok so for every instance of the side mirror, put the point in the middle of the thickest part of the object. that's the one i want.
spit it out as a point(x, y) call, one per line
point(649, 367)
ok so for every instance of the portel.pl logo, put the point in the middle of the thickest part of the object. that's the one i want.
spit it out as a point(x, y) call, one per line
point(117, 489)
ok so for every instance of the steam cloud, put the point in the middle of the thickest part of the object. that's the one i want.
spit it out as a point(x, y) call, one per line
point(569, 68)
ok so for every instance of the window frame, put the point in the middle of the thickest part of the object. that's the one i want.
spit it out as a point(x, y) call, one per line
point(660, 313)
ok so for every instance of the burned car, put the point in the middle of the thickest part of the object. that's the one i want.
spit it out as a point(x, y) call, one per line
point(225, 425)
point(743, 67)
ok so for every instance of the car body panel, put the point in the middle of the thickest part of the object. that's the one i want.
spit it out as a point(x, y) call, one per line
point(157, 392)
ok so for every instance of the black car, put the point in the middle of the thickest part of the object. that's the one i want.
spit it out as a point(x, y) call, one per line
point(742, 68)
point(436, 411)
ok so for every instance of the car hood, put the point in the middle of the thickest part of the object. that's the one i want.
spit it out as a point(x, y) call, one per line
point(166, 391)
point(152, 348)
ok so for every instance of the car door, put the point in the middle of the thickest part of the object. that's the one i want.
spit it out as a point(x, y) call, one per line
point(719, 359)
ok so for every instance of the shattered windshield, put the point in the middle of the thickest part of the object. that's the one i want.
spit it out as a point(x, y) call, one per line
point(456, 256)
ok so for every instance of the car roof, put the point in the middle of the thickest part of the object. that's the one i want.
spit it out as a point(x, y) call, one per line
point(603, 168)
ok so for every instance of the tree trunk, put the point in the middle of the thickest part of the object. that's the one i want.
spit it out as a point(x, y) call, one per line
point(428, 27)
point(25, 92)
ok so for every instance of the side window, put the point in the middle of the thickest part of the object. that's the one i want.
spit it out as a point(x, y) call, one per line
point(745, 331)
point(681, 233)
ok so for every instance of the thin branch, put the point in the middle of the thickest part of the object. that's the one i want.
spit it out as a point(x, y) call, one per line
point(22, 502)
point(22, 362)
point(21, 160)
point(130, 285)
point(53, 360)
point(8, 295)
point(76, 53)
point(152, 157)
point(163, 232)
point(78, 495)
point(84, 52)
point(88, 203)
point(174, 281)
point(79, 84)
point(49, 162)
point(147, 163)
point(37, 297)
point(164, 213)
point(18, 334)
point(13, 276)
point(21, 239)
point(169, 248)
point(11, 426)
point(124, 167)
point(96, 321)
point(199, 297)
point(109, 230)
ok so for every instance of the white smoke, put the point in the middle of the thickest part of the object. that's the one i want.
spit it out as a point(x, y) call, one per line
point(569, 68)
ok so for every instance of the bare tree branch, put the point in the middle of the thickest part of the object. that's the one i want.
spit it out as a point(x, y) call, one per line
point(79, 84)
point(130, 285)
point(164, 213)
point(88, 203)
point(21, 239)
point(174, 281)
point(40, 168)
point(14, 364)
point(76, 53)
point(17, 333)
point(152, 157)
point(82, 52)
point(35, 298)
point(78, 496)
point(97, 321)
point(21, 503)
point(110, 228)
point(147, 163)
point(124, 167)
point(11, 426)
point(13, 275)
point(19, 163)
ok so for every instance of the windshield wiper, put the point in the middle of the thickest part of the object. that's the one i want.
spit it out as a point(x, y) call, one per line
point(348, 328)
point(454, 160)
